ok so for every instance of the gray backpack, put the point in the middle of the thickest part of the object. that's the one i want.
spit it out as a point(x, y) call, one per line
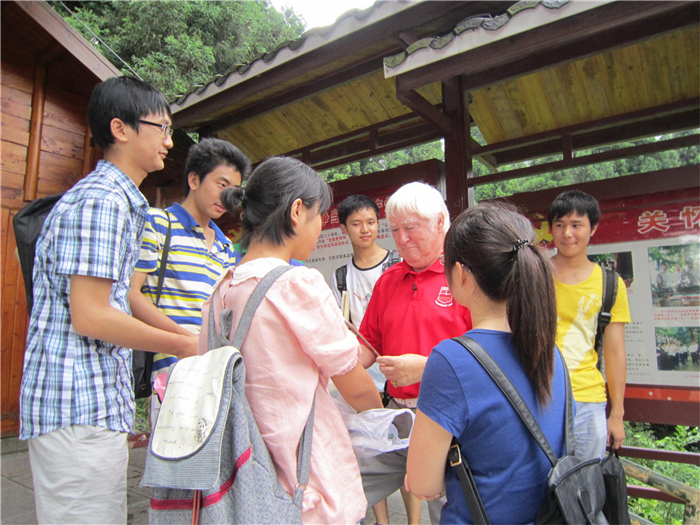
point(211, 465)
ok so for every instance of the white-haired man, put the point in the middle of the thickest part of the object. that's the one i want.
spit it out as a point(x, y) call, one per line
point(411, 311)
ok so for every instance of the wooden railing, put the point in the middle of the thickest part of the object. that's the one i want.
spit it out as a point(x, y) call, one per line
point(661, 487)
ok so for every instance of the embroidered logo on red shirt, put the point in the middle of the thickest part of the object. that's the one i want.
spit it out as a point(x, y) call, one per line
point(444, 298)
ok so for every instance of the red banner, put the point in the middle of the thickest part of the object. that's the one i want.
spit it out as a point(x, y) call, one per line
point(639, 219)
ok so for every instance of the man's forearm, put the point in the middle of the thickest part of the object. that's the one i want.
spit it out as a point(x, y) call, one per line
point(92, 315)
point(144, 310)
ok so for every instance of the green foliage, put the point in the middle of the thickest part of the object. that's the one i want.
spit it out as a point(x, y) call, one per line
point(431, 150)
point(674, 256)
point(679, 439)
point(179, 44)
point(141, 420)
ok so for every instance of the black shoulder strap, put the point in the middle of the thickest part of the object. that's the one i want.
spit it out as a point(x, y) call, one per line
point(163, 260)
point(609, 294)
point(471, 493)
point(341, 274)
point(502, 381)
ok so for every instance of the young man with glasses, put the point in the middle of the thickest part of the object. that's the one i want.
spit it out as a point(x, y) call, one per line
point(199, 253)
point(76, 398)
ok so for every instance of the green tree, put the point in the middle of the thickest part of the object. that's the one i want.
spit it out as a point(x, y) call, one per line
point(179, 44)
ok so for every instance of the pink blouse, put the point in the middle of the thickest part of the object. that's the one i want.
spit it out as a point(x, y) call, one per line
point(296, 342)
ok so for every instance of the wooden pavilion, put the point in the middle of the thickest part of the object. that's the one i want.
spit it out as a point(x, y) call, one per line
point(537, 78)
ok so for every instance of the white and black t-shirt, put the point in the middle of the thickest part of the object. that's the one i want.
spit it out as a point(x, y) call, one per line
point(359, 284)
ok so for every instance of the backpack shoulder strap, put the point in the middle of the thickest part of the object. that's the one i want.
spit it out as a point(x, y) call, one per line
point(394, 258)
point(504, 384)
point(609, 294)
point(341, 274)
point(304, 451)
point(255, 299)
point(163, 259)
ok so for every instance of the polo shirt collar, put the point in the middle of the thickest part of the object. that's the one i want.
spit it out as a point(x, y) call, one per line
point(437, 267)
point(189, 223)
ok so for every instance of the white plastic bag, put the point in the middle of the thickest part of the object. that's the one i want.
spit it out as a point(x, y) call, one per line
point(373, 432)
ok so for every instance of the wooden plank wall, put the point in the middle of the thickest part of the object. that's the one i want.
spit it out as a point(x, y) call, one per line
point(60, 166)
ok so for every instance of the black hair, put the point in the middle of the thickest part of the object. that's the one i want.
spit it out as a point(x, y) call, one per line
point(209, 154)
point(354, 203)
point(496, 245)
point(126, 98)
point(269, 194)
point(574, 201)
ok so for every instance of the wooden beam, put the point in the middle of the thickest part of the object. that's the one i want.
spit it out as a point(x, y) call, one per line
point(423, 133)
point(601, 29)
point(69, 38)
point(643, 149)
point(634, 491)
point(592, 139)
point(689, 458)
point(36, 124)
point(419, 105)
point(650, 183)
point(379, 151)
point(608, 122)
point(458, 162)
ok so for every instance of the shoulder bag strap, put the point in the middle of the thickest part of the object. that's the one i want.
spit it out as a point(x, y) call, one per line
point(466, 479)
point(459, 462)
point(163, 260)
point(519, 405)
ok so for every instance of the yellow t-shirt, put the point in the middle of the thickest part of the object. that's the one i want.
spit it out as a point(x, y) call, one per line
point(578, 307)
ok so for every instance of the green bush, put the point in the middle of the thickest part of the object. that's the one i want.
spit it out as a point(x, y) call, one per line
point(663, 437)
point(141, 423)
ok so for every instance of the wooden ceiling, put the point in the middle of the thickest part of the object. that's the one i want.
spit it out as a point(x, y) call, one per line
point(348, 107)
point(332, 105)
point(652, 73)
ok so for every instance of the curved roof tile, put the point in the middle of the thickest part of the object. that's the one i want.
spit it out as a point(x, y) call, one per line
point(484, 21)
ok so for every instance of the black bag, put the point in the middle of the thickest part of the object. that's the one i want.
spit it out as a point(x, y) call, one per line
point(27, 226)
point(615, 508)
point(142, 362)
point(575, 491)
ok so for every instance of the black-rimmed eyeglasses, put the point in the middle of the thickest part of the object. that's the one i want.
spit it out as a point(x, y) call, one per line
point(165, 128)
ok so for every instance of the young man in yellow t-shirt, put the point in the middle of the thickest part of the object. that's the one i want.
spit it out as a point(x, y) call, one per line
point(573, 218)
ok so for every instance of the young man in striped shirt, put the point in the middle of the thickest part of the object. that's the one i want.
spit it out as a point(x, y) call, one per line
point(199, 254)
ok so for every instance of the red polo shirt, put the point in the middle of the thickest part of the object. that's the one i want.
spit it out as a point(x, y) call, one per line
point(410, 313)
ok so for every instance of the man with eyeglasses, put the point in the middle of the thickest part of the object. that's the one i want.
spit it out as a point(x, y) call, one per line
point(76, 398)
point(199, 253)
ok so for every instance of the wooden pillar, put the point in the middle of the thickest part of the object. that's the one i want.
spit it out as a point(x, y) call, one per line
point(458, 162)
point(31, 175)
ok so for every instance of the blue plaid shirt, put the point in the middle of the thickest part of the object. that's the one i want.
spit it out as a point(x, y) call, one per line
point(94, 230)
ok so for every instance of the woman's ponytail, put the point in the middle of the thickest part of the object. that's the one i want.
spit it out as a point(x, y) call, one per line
point(496, 244)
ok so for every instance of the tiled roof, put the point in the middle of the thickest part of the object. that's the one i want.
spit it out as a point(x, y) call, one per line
point(484, 22)
point(264, 58)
